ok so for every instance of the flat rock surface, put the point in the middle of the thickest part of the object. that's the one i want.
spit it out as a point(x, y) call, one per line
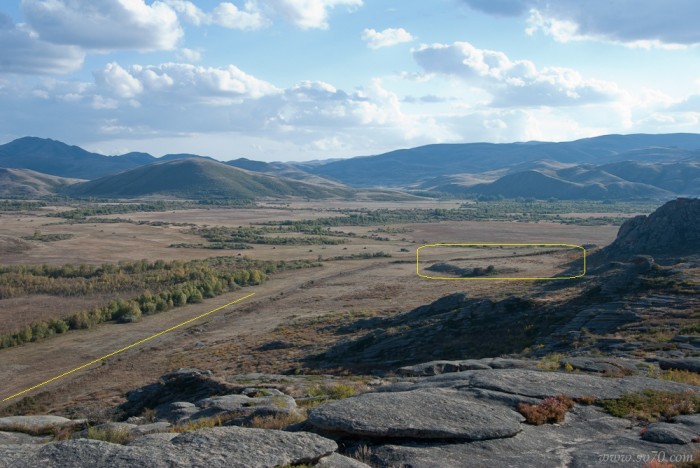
point(421, 414)
point(35, 423)
point(541, 384)
point(214, 447)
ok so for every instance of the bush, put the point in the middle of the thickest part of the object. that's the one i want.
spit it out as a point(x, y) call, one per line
point(551, 410)
point(653, 405)
point(114, 436)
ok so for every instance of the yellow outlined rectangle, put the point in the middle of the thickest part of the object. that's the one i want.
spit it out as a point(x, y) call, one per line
point(499, 278)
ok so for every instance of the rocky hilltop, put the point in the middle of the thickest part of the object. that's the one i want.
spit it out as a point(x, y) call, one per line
point(484, 416)
point(673, 229)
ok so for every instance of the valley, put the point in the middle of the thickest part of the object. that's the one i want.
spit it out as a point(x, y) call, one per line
point(358, 307)
point(343, 285)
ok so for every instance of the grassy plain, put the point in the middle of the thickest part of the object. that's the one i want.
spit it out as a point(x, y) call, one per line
point(293, 307)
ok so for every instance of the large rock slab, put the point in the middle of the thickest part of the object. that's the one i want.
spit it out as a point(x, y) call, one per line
point(542, 384)
point(420, 414)
point(36, 424)
point(215, 447)
point(534, 446)
point(10, 438)
point(689, 364)
point(627, 451)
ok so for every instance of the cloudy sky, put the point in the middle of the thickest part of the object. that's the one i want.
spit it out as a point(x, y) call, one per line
point(315, 79)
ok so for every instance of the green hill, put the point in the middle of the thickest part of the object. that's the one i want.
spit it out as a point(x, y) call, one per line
point(28, 184)
point(199, 179)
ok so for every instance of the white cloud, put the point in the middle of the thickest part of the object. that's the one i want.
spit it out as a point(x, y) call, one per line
point(118, 81)
point(513, 83)
point(638, 23)
point(105, 24)
point(226, 14)
point(307, 14)
point(229, 16)
point(388, 37)
point(182, 82)
point(23, 52)
point(189, 55)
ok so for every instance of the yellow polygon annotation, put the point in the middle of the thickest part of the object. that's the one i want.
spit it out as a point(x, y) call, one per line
point(500, 278)
point(125, 348)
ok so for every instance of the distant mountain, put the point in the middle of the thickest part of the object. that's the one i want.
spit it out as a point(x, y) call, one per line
point(541, 185)
point(28, 183)
point(409, 166)
point(546, 179)
point(282, 169)
point(199, 178)
point(56, 158)
point(59, 159)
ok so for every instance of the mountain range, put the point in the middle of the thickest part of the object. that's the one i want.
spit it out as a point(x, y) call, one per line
point(606, 167)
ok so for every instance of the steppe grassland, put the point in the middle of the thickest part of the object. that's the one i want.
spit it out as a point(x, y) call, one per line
point(337, 290)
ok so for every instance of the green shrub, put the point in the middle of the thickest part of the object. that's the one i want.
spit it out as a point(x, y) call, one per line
point(551, 410)
point(653, 405)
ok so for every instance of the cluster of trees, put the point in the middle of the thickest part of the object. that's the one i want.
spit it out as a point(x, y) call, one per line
point(102, 209)
point(165, 285)
point(223, 235)
point(528, 210)
point(20, 205)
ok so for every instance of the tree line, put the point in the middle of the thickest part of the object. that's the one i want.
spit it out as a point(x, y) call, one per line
point(165, 285)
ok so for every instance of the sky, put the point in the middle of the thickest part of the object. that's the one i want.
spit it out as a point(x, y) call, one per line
point(299, 80)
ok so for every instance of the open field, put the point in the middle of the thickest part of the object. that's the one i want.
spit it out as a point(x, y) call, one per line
point(229, 342)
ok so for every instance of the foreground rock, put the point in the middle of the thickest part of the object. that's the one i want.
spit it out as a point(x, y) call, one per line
point(42, 424)
point(215, 447)
point(418, 414)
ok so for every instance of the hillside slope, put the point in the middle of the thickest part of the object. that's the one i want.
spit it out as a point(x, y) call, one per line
point(407, 166)
point(28, 184)
point(198, 178)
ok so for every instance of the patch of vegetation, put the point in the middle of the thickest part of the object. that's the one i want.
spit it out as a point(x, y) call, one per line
point(114, 436)
point(224, 236)
point(360, 256)
point(20, 205)
point(653, 405)
point(165, 285)
point(212, 246)
point(200, 423)
point(551, 410)
point(38, 236)
point(493, 210)
point(682, 376)
point(277, 421)
point(102, 209)
point(335, 391)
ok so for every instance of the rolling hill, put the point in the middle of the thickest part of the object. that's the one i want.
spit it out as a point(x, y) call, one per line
point(26, 183)
point(59, 159)
point(409, 166)
point(199, 178)
point(547, 179)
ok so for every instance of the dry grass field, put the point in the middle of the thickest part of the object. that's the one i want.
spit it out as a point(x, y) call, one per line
point(292, 306)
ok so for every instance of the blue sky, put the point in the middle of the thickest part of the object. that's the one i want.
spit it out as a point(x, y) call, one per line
point(314, 79)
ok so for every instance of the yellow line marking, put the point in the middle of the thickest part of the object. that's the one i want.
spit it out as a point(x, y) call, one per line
point(127, 347)
point(499, 278)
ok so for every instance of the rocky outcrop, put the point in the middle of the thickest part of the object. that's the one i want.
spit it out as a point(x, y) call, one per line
point(417, 414)
point(214, 447)
point(452, 419)
point(674, 228)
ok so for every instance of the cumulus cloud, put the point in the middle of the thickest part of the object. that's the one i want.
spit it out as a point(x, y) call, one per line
point(105, 24)
point(308, 14)
point(634, 22)
point(23, 52)
point(388, 37)
point(180, 82)
point(226, 14)
point(513, 83)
